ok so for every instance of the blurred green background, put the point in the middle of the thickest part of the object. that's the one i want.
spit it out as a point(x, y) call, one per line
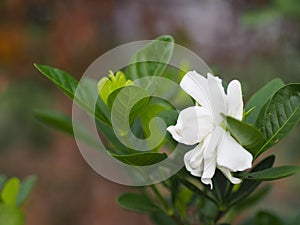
point(254, 41)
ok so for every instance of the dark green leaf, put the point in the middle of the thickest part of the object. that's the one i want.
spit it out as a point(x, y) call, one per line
point(25, 189)
point(141, 159)
point(248, 186)
point(10, 191)
point(281, 114)
point(10, 215)
point(267, 218)
point(247, 135)
point(60, 78)
point(56, 120)
point(161, 218)
point(152, 59)
point(137, 202)
point(271, 173)
point(261, 97)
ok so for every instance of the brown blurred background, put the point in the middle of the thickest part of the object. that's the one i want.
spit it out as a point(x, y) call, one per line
point(254, 41)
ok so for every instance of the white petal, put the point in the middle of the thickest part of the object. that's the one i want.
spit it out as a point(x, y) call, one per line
point(210, 146)
point(196, 86)
point(232, 155)
point(193, 160)
point(217, 98)
point(229, 176)
point(193, 125)
point(235, 100)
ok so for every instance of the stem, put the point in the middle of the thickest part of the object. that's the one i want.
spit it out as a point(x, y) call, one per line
point(160, 197)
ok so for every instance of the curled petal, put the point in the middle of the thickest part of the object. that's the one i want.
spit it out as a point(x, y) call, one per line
point(193, 160)
point(232, 155)
point(229, 176)
point(196, 86)
point(193, 125)
point(235, 100)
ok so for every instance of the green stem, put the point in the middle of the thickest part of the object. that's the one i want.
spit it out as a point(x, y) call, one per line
point(160, 197)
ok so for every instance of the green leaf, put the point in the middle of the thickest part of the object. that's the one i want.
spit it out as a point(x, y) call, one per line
point(10, 191)
point(281, 115)
point(261, 97)
point(25, 189)
point(152, 59)
point(60, 78)
point(138, 203)
point(108, 85)
point(267, 218)
point(161, 218)
point(56, 120)
point(141, 159)
point(248, 186)
point(60, 121)
point(271, 173)
point(11, 215)
point(247, 135)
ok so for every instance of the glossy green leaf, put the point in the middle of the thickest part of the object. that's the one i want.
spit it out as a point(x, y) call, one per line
point(11, 215)
point(247, 135)
point(141, 159)
point(271, 173)
point(152, 59)
point(248, 186)
point(260, 98)
point(25, 189)
point(10, 191)
point(267, 218)
point(138, 203)
point(60, 78)
point(161, 218)
point(280, 115)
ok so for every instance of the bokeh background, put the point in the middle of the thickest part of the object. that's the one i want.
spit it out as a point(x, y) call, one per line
point(252, 40)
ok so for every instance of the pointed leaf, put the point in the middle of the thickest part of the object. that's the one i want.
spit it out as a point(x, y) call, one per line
point(152, 59)
point(137, 202)
point(60, 78)
point(271, 173)
point(10, 191)
point(25, 189)
point(248, 186)
point(141, 159)
point(281, 115)
point(247, 135)
point(261, 97)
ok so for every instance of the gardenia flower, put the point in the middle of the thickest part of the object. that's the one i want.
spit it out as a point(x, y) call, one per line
point(204, 125)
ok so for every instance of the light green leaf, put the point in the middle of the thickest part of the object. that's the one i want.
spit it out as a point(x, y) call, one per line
point(137, 202)
point(247, 135)
point(260, 98)
point(25, 189)
point(281, 115)
point(267, 218)
point(108, 85)
point(10, 191)
point(274, 173)
point(152, 59)
point(141, 159)
point(11, 215)
point(248, 186)
point(60, 78)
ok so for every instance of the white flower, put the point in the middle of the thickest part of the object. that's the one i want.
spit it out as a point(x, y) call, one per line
point(204, 125)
